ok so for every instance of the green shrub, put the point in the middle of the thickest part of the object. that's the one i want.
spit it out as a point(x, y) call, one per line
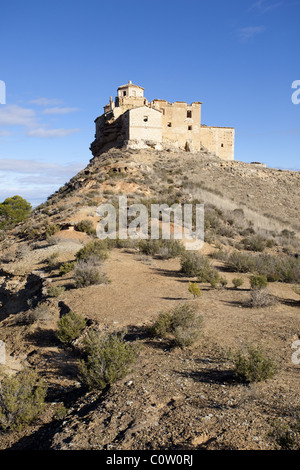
point(66, 268)
point(162, 325)
point(258, 281)
point(254, 365)
point(193, 264)
point(185, 326)
point(51, 229)
point(96, 249)
point(254, 243)
point(51, 260)
point(286, 436)
point(22, 398)
point(163, 248)
point(55, 291)
point(170, 249)
point(86, 274)
point(108, 358)
point(241, 262)
point(86, 226)
point(274, 268)
point(237, 282)
point(70, 326)
point(181, 323)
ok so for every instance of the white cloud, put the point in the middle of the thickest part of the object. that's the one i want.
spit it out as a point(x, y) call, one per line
point(46, 102)
point(4, 132)
point(14, 115)
point(58, 110)
point(249, 32)
point(34, 167)
point(34, 180)
point(264, 6)
point(43, 133)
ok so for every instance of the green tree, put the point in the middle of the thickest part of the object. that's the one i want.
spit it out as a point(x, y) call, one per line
point(12, 211)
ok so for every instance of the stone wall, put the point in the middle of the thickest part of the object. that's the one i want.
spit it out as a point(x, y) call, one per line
point(143, 126)
point(181, 123)
point(219, 140)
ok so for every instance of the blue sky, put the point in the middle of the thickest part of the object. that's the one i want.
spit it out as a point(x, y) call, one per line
point(61, 60)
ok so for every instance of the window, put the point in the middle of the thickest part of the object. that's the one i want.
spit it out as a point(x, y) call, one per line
point(124, 93)
point(222, 145)
point(169, 124)
point(145, 118)
point(190, 128)
point(189, 114)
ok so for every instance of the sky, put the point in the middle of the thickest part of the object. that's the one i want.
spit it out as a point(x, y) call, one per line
point(62, 60)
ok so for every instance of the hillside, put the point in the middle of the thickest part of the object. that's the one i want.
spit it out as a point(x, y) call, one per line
point(172, 398)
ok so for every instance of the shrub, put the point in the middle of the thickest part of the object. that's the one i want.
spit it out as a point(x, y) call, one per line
point(194, 289)
point(22, 399)
point(254, 243)
point(223, 282)
point(241, 262)
point(170, 249)
point(185, 326)
point(66, 268)
point(193, 264)
point(254, 365)
point(162, 326)
point(51, 260)
point(286, 436)
point(70, 326)
point(181, 323)
point(260, 298)
point(108, 358)
point(55, 291)
point(96, 249)
point(237, 282)
point(258, 281)
point(87, 274)
point(274, 268)
point(166, 249)
point(42, 314)
point(86, 226)
point(51, 229)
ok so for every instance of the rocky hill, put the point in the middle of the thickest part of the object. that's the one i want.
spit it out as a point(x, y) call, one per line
point(171, 397)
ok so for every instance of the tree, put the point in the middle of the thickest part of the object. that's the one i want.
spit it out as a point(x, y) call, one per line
point(194, 289)
point(12, 211)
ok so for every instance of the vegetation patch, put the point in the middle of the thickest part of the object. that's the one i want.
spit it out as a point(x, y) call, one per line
point(22, 399)
point(108, 359)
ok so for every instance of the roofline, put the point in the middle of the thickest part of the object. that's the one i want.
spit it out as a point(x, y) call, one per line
point(148, 107)
point(130, 84)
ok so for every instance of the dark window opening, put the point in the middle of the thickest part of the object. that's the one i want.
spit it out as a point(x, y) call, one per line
point(189, 114)
point(190, 128)
point(124, 93)
point(169, 124)
point(145, 118)
point(222, 145)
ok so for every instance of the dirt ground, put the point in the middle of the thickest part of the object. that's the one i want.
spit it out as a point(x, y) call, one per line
point(172, 398)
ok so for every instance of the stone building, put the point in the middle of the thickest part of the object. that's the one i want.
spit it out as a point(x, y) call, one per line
point(131, 121)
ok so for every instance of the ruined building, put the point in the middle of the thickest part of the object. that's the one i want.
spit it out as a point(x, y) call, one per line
point(131, 121)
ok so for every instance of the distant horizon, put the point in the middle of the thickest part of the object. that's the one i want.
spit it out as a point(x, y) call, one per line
point(60, 65)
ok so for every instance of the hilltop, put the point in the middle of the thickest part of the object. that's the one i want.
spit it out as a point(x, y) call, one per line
point(173, 398)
